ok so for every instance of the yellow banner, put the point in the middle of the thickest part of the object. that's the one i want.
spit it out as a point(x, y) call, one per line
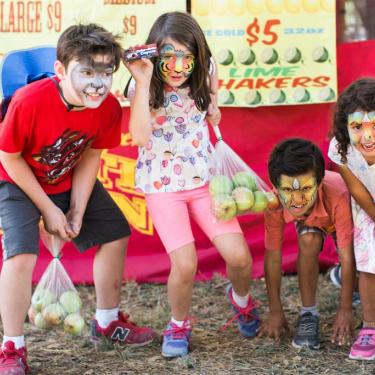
point(25, 24)
point(271, 52)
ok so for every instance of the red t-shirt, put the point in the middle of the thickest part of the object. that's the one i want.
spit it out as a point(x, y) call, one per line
point(50, 138)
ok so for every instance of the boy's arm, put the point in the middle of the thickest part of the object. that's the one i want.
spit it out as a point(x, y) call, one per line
point(358, 191)
point(140, 118)
point(84, 177)
point(343, 326)
point(20, 172)
point(275, 323)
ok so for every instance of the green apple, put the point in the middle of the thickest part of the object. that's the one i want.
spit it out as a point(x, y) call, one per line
point(53, 314)
point(260, 202)
point(42, 298)
point(244, 198)
point(74, 324)
point(40, 322)
point(224, 207)
point(70, 301)
point(245, 179)
point(220, 185)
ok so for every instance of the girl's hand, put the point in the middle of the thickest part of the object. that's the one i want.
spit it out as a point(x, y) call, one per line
point(74, 220)
point(213, 114)
point(141, 70)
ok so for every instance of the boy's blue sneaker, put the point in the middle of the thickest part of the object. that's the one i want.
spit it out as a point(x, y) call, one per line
point(335, 277)
point(247, 317)
point(176, 340)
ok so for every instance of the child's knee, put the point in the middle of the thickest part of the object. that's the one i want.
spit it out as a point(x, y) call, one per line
point(240, 259)
point(185, 271)
point(311, 242)
point(21, 263)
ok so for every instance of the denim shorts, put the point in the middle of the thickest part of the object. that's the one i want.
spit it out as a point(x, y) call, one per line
point(102, 222)
point(302, 229)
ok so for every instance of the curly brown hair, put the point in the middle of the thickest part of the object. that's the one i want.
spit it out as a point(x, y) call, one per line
point(184, 29)
point(359, 95)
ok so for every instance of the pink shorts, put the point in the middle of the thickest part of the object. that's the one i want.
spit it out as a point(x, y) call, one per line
point(171, 213)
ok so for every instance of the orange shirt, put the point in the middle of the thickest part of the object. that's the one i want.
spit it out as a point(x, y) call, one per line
point(331, 212)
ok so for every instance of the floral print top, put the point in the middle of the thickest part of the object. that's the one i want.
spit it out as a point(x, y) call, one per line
point(176, 158)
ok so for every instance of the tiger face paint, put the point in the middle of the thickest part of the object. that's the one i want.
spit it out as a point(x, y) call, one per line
point(298, 193)
point(176, 63)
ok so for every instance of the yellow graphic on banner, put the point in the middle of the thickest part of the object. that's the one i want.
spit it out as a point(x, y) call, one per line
point(117, 175)
point(25, 24)
point(271, 52)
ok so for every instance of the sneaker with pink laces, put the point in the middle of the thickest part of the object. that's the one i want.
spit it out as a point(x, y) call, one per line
point(247, 317)
point(13, 361)
point(122, 331)
point(176, 340)
point(364, 346)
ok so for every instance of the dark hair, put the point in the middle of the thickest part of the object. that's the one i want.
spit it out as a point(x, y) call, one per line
point(359, 95)
point(293, 157)
point(184, 29)
point(81, 41)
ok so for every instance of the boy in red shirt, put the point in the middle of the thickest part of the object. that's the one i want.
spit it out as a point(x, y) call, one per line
point(318, 203)
point(51, 140)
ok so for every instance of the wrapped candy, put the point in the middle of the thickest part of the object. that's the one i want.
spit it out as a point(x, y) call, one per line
point(235, 188)
point(55, 301)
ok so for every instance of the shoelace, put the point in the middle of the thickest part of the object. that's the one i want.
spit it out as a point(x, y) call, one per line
point(11, 352)
point(245, 312)
point(125, 318)
point(179, 332)
point(365, 339)
point(307, 328)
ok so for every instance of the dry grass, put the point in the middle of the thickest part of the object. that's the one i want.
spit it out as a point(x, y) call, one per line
point(53, 352)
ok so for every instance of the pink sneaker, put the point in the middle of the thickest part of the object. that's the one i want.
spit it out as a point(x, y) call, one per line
point(12, 360)
point(364, 346)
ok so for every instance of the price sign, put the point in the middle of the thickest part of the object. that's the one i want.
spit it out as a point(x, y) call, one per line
point(25, 24)
point(271, 52)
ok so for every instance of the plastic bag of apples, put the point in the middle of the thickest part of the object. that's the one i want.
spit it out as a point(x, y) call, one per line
point(235, 189)
point(55, 301)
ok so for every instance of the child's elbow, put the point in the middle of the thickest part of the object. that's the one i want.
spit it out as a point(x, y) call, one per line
point(140, 141)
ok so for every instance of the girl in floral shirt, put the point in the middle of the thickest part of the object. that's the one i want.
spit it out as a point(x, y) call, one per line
point(171, 100)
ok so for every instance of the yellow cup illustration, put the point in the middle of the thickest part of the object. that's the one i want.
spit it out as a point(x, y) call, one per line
point(237, 7)
point(292, 6)
point(219, 7)
point(201, 7)
point(275, 6)
point(255, 6)
point(328, 5)
point(311, 6)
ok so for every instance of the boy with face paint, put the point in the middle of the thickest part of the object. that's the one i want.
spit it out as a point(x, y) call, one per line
point(51, 139)
point(353, 150)
point(318, 203)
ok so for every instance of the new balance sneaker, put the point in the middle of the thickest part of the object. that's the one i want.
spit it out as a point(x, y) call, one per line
point(335, 277)
point(307, 332)
point(247, 317)
point(176, 340)
point(364, 346)
point(122, 331)
point(13, 361)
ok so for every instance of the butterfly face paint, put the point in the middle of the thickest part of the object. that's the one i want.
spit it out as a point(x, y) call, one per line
point(88, 82)
point(361, 128)
point(176, 63)
point(298, 193)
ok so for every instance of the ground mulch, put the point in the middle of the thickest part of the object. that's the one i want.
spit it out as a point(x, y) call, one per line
point(217, 353)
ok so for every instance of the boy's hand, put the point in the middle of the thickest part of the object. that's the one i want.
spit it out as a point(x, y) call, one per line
point(74, 220)
point(55, 222)
point(274, 326)
point(141, 70)
point(343, 327)
point(213, 114)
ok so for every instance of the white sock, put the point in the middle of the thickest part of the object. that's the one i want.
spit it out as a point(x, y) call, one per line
point(179, 323)
point(19, 341)
point(105, 317)
point(240, 301)
point(311, 309)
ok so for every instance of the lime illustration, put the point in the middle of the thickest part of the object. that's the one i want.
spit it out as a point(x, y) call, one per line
point(320, 54)
point(253, 97)
point(276, 96)
point(292, 55)
point(246, 56)
point(226, 97)
point(326, 94)
point(301, 95)
point(269, 56)
point(225, 56)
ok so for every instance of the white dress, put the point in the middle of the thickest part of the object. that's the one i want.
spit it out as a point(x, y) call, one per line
point(364, 226)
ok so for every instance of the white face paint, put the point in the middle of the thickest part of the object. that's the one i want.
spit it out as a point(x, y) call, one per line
point(87, 83)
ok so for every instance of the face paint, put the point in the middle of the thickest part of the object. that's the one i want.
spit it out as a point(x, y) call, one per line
point(176, 63)
point(88, 82)
point(361, 129)
point(298, 194)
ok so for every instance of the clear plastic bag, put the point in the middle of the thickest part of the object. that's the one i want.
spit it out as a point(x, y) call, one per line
point(55, 301)
point(235, 189)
